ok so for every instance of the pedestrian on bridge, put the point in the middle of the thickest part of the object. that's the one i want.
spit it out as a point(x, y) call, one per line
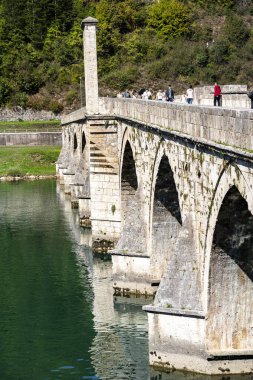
point(189, 95)
point(159, 96)
point(169, 93)
point(217, 95)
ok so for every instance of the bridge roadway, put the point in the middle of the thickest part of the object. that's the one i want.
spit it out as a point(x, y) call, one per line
point(168, 188)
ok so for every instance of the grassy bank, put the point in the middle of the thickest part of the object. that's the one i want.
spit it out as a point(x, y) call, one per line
point(30, 126)
point(21, 161)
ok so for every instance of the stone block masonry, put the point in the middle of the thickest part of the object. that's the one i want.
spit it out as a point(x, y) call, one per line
point(31, 138)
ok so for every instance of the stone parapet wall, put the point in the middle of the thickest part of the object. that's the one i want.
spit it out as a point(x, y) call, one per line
point(233, 96)
point(73, 116)
point(18, 113)
point(232, 127)
point(31, 138)
point(228, 100)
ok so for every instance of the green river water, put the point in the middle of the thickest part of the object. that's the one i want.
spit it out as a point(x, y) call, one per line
point(58, 316)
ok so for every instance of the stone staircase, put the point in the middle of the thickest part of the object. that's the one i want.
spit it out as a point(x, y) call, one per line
point(103, 155)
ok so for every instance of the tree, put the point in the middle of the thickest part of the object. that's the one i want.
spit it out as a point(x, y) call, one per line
point(170, 19)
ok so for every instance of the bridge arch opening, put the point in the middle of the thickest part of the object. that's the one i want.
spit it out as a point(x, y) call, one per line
point(133, 226)
point(83, 141)
point(75, 142)
point(129, 183)
point(166, 220)
point(230, 309)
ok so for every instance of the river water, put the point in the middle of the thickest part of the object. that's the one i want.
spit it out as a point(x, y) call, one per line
point(58, 316)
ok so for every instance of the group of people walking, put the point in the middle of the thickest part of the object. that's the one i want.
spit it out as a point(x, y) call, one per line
point(147, 94)
point(168, 95)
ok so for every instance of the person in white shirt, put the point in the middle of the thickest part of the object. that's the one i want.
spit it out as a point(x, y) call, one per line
point(159, 95)
point(189, 95)
point(145, 95)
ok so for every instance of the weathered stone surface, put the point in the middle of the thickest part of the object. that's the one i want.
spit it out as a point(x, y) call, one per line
point(18, 113)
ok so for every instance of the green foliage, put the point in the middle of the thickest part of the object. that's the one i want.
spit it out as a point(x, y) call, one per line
point(202, 57)
point(220, 52)
point(169, 18)
point(5, 91)
point(122, 78)
point(140, 44)
point(235, 31)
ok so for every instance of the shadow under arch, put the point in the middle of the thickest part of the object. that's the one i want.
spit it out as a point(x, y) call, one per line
point(75, 142)
point(133, 230)
point(129, 183)
point(166, 216)
point(83, 141)
point(230, 310)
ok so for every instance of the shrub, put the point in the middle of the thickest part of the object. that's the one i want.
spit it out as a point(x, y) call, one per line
point(72, 95)
point(55, 106)
point(202, 57)
point(234, 30)
point(5, 91)
point(19, 99)
point(220, 52)
point(121, 78)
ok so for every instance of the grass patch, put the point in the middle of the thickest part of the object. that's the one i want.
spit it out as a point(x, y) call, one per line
point(36, 160)
point(33, 125)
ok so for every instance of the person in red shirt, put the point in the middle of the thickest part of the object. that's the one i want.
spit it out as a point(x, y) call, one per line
point(217, 95)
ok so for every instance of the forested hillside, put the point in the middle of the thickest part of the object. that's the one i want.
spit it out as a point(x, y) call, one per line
point(140, 44)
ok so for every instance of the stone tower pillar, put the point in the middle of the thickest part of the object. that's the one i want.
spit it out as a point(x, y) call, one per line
point(90, 64)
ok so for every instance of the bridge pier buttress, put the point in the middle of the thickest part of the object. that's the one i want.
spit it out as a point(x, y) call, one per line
point(104, 183)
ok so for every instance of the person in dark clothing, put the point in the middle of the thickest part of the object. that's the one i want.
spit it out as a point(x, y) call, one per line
point(250, 95)
point(217, 95)
point(169, 94)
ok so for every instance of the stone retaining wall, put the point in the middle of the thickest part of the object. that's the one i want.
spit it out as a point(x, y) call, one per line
point(31, 138)
point(18, 113)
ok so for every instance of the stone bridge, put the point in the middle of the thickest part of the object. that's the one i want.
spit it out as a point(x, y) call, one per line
point(167, 188)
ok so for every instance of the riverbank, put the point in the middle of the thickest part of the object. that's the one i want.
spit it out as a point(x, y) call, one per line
point(26, 178)
point(30, 126)
point(33, 162)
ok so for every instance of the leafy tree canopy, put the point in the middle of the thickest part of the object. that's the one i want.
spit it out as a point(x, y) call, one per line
point(141, 43)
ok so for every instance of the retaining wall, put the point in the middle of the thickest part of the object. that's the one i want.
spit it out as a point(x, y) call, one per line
point(30, 138)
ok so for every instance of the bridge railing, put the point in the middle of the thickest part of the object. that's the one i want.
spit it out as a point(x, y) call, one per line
point(233, 127)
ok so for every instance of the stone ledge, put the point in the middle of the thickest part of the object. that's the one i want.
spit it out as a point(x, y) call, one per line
point(175, 312)
point(129, 254)
point(230, 355)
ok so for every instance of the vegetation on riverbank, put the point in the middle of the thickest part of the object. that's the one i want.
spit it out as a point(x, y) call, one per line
point(30, 126)
point(28, 161)
point(141, 43)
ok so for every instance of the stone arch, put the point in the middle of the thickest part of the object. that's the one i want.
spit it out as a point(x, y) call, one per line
point(230, 175)
point(83, 141)
point(230, 310)
point(166, 215)
point(75, 142)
